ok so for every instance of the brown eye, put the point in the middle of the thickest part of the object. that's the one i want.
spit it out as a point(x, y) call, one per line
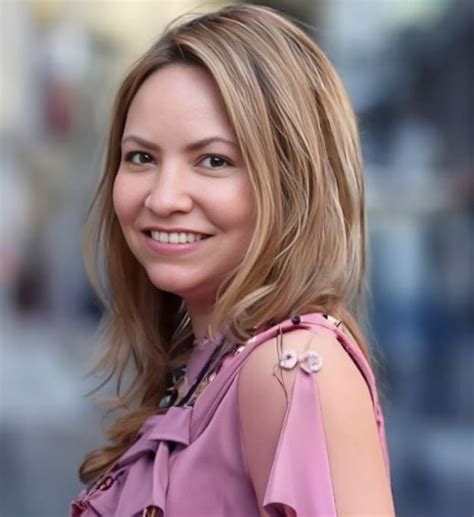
point(214, 162)
point(138, 158)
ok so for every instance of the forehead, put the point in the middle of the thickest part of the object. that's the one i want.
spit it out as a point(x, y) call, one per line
point(179, 95)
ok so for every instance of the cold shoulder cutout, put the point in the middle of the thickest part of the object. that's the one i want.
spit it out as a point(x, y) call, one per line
point(310, 435)
point(297, 431)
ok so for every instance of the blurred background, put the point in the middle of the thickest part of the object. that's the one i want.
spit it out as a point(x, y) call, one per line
point(407, 65)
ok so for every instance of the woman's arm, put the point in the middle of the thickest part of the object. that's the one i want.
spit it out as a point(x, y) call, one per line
point(334, 464)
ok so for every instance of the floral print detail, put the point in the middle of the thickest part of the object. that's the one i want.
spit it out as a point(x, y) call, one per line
point(173, 391)
point(288, 359)
point(310, 361)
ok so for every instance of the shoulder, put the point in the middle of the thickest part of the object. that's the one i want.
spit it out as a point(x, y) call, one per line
point(339, 376)
point(295, 413)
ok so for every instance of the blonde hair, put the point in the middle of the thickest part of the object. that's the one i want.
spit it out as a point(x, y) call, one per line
point(298, 137)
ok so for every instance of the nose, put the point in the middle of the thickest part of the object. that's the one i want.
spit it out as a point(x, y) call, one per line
point(169, 191)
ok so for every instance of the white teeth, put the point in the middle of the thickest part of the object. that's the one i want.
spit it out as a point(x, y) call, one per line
point(175, 237)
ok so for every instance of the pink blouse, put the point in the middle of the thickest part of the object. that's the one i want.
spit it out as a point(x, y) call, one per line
point(205, 472)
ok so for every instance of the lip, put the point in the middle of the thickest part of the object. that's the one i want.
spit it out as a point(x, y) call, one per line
point(173, 230)
point(166, 248)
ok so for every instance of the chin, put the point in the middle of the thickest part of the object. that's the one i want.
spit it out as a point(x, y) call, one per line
point(168, 286)
point(179, 287)
point(190, 283)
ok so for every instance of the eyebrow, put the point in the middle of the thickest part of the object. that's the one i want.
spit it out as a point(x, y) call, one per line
point(190, 147)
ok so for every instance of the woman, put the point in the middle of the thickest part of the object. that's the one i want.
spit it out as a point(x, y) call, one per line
point(231, 224)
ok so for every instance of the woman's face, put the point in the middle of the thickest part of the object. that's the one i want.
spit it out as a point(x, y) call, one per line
point(182, 195)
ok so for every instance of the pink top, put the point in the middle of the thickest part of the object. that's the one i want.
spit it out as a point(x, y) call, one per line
point(206, 472)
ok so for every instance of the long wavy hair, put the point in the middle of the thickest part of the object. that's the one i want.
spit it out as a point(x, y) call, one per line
point(298, 136)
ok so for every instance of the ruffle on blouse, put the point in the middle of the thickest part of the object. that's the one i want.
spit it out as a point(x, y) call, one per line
point(300, 477)
point(128, 491)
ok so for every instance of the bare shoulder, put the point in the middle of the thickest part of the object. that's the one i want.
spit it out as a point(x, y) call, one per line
point(338, 370)
point(342, 404)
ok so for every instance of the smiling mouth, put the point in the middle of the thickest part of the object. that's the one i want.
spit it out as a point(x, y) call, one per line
point(175, 237)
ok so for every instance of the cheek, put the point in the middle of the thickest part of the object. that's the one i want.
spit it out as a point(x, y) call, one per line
point(124, 199)
point(234, 207)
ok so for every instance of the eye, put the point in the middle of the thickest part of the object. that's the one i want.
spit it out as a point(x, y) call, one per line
point(138, 157)
point(214, 162)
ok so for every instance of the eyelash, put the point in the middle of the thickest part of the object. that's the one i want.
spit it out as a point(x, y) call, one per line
point(130, 155)
point(227, 162)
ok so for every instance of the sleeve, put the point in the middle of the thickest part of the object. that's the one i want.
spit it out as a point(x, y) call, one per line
point(309, 434)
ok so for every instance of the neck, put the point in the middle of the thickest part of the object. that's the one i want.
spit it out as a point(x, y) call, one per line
point(200, 316)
